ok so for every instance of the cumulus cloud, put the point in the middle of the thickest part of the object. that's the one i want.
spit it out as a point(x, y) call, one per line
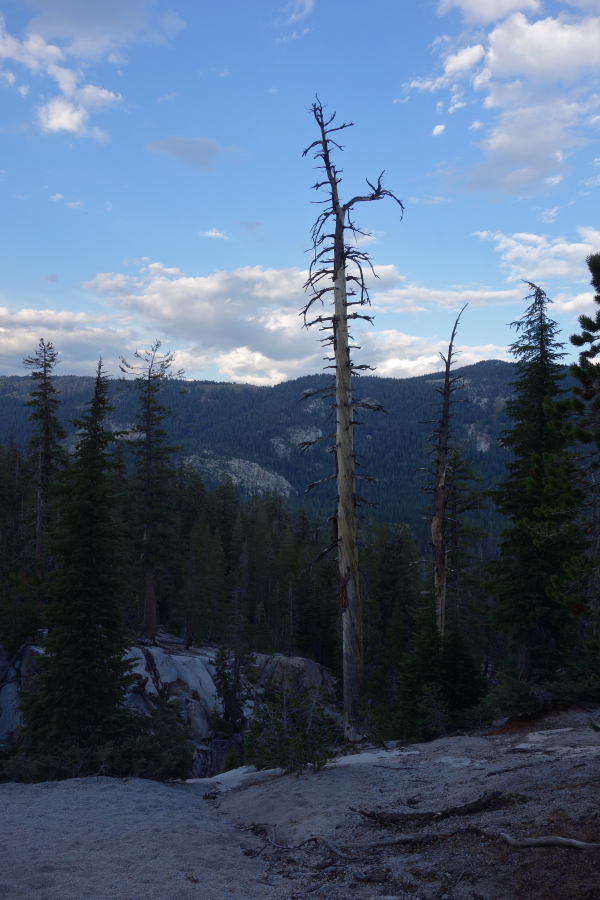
point(398, 355)
point(549, 48)
point(463, 61)
point(245, 322)
point(226, 308)
point(79, 338)
point(200, 153)
point(527, 147)
point(484, 11)
point(64, 32)
point(439, 129)
point(418, 298)
point(537, 257)
point(537, 76)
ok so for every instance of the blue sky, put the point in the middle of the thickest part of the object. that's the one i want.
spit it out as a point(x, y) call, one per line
point(153, 184)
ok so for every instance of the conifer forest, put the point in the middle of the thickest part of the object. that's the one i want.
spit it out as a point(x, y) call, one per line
point(449, 588)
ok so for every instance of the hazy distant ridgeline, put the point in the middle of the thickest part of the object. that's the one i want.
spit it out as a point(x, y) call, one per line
point(264, 425)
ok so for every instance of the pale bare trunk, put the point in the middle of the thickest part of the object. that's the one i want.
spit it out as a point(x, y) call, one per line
point(348, 574)
point(440, 567)
point(440, 492)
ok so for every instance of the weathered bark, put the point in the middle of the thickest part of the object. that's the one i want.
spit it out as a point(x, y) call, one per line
point(442, 447)
point(348, 574)
point(329, 273)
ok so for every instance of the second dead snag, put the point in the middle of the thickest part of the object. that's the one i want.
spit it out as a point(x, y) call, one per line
point(337, 267)
point(442, 446)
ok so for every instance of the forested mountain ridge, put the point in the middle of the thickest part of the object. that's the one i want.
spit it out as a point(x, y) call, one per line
point(214, 423)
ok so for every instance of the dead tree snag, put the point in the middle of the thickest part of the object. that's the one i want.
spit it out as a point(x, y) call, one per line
point(338, 268)
point(441, 440)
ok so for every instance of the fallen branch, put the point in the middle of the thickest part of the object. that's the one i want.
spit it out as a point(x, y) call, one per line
point(403, 839)
point(466, 809)
point(547, 841)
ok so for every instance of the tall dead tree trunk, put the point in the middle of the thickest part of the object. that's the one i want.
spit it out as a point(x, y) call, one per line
point(329, 273)
point(442, 445)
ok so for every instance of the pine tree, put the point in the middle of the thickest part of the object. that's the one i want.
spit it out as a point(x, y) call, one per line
point(155, 475)
point(538, 543)
point(585, 417)
point(78, 696)
point(46, 451)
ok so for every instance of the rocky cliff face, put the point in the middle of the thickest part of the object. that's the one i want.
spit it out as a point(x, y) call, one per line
point(249, 476)
point(176, 675)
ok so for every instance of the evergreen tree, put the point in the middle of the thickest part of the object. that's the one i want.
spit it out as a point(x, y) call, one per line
point(156, 484)
point(584, 412)
point(538, 543)
point(46, 452)
point(19, 607)
point(83, 677)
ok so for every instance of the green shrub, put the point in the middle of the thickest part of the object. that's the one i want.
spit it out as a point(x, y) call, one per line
point(290, 731)
point(156, 746)
point(231, 761)
point(513, 697)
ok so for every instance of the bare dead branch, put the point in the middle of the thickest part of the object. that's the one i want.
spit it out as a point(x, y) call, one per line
point(543, 841)
point(483, 803)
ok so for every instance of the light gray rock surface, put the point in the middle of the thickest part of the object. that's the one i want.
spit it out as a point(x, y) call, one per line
point(245, 474)
point(122, 839)
point(128, 839)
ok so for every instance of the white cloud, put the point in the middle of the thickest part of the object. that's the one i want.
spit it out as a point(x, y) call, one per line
point(243, 364)
point(79, 338)
point(526, 148)
point(483, 11)
point(538, 75)
point(439, 129)
point(245, 321)
point(298, 9)
point(591, 5)
point(476, 125)
point(548, 48)
point(575, 304)
point(294, 36)
point(549, 215)
point(75, 204)
point(200, 153)
point(56, 197)
point(428, 201)
point(398, 355)
point(415, 298)
point(463, 61)
point(90, 30)
point(226, 308)
point(61, 115)
point(536, 257)
point(213, 233)
point(101, 29)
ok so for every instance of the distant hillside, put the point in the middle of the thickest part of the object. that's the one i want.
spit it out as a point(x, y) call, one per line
point(219, 422)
